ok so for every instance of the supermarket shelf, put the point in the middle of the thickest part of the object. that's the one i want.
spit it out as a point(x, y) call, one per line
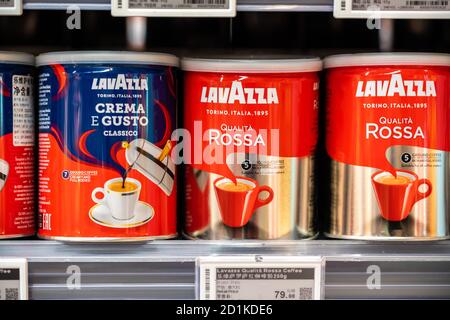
point(166, 269)
point(242, 5)
point(285, 6)
point(64, 4)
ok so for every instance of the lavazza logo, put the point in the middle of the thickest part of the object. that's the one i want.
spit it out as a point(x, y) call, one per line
point(396, 86)
point(238, 94)
point(120, 82)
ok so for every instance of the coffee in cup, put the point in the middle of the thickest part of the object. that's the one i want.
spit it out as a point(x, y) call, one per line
point(122, 187)
point(121, 198)
point(238, 187)
point(391, 180)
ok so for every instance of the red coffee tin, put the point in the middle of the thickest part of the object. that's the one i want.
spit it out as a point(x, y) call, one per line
point(252, 124)
point(17, 183)
point(387, 135)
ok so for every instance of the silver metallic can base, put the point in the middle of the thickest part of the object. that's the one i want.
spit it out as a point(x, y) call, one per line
point(201, 236)
point(377, 238)
point(105, 240)
point(288, 216)
point(355, 205)
point(241, 235)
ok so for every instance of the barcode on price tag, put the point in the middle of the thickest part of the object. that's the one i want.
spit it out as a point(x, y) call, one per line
point(261, 278)
point(13, 279)
point(11, 7)
point(174, 8)
point(416, 9)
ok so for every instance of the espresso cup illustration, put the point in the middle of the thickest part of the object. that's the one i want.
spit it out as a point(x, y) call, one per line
point(120, 199)
point(397, 195)
point(238, 201)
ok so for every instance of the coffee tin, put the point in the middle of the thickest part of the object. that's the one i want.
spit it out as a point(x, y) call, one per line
point(253, 130)
point(387, 136)
point(17, 196)
point(106, 171)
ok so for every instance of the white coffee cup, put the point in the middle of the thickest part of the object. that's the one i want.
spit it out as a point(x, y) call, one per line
point(121, 204)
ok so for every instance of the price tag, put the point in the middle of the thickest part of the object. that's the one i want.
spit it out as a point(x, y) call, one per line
point(13, 279)
point(391, 9)
point(259, 278)
point(11, 7)
point(173, 8)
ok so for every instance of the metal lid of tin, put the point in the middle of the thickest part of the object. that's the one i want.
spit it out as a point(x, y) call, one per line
point(387, 59)
point(258, 64)
point(16, 57)
point(116, 57)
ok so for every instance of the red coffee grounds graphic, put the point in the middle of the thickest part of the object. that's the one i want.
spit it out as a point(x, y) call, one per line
point(60, 74)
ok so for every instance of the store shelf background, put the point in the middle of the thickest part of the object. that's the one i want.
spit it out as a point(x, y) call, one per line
point(166, 269)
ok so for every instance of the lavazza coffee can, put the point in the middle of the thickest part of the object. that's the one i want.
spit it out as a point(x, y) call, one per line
point(388, 129)
point(251, 134)
point(17, 183)
point(105, 126)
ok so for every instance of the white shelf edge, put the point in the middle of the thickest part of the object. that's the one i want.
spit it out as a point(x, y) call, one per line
point(242, 5)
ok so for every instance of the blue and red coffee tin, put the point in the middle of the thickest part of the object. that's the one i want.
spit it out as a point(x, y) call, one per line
point(17, 194)
point(105, 127)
